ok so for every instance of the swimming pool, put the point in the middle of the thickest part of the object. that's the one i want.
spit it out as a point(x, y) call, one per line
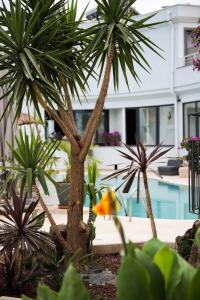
point(169, 201)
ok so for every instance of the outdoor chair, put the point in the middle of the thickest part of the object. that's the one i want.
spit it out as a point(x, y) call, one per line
point(171, 169)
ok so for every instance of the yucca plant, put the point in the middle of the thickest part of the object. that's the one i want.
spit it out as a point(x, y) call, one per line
point(140, 162)
point(20, 233)
point(31, 157)
point(47, 57)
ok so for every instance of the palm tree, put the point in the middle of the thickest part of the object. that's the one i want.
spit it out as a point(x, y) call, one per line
point(47, 57)
point(140, 162)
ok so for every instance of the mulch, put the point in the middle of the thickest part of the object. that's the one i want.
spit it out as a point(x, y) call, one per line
point(107, 291)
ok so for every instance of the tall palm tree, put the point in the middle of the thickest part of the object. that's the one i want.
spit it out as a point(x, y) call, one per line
point(47, 57)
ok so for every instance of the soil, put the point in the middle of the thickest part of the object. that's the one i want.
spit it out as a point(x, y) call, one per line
point(100, 264)
point(105, 291)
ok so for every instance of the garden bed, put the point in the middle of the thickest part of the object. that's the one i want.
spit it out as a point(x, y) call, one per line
point(106, 264)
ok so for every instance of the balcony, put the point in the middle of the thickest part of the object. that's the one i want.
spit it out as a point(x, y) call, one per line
point(189, 58)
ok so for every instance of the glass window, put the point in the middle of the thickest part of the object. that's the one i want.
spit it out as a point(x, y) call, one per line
point(167, 125)
point(188, 109)
point(81, 119)
point(147, 126)
point(189, 47)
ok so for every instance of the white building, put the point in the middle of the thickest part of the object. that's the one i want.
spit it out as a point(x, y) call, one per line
point(157, 109)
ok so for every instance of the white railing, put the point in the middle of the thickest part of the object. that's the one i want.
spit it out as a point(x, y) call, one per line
point(134, 191)
point(189, 58)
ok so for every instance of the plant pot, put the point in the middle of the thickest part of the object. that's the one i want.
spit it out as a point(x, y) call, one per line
point(63, 192)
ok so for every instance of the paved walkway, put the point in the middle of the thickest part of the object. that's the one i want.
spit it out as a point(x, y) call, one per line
point(138, 230)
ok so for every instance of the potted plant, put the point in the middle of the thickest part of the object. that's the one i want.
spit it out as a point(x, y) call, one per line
point(63, 187)
point(112, 138)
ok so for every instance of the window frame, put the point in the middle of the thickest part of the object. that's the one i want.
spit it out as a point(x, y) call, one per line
point(106, 121)
point(157, 123)
point(184, 115)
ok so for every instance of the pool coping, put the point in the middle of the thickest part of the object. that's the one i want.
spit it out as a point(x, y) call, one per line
point(174, 180)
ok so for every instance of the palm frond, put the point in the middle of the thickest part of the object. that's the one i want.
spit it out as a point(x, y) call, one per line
point(139, 162)
point(118, 28)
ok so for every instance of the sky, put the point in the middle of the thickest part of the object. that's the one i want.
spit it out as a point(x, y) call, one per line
point(144, 6)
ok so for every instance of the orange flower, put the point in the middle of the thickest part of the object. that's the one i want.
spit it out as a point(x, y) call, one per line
point(107, 205)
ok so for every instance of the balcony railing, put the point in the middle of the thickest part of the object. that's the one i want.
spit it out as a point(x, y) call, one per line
point(189, 58)
point(194, 176)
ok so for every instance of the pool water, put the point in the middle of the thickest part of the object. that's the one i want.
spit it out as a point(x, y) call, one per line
point(169, 201)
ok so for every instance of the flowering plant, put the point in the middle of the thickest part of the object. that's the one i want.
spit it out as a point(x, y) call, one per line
point(112, 138)
point(196, 42)
point(108, 204)
point(185, 142)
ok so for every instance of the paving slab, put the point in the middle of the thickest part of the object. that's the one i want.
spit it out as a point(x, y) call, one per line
point(138, 230)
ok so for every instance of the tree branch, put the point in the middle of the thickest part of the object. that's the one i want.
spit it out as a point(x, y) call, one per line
point(53, 114)
point(68, 100)
point(96, 114)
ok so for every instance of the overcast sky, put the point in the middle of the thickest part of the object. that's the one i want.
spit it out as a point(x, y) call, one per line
point(144, 6)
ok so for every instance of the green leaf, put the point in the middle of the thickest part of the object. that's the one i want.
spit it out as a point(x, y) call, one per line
point(30, 180)
point(45, 293)
point(194, 291)
point(131, 250)
point(153, 246)
point(133, 282)
point(167, 262)
point(187, 275)
point(157, 283)
point(72, 287)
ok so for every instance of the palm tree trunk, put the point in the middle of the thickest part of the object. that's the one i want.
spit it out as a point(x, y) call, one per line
point(60, 238)
point(77, 230)
point(95, 117)
point(149, 206)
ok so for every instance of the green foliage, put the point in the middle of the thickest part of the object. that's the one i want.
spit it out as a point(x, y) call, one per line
point(133, 280)
point(38, 39)
point(118, 30)
point(44, 41)
point(154, 273)
point(140, 160)
point(94, 192)
point(72, 288)
point(31, 158)
point(65, 147)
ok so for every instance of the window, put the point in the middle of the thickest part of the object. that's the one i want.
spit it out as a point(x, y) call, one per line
point(189, 47)
point(82, 117)
point(194, 126)
point(167, 125)
point(153, 125)
point(52, 129)
point(147, 125)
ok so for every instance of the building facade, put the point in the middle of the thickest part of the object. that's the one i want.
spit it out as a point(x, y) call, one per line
point(157, 108)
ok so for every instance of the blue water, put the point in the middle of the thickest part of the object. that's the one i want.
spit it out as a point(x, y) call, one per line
point(169, 201)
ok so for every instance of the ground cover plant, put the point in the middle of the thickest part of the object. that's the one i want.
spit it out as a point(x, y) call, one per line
point(47, 57)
